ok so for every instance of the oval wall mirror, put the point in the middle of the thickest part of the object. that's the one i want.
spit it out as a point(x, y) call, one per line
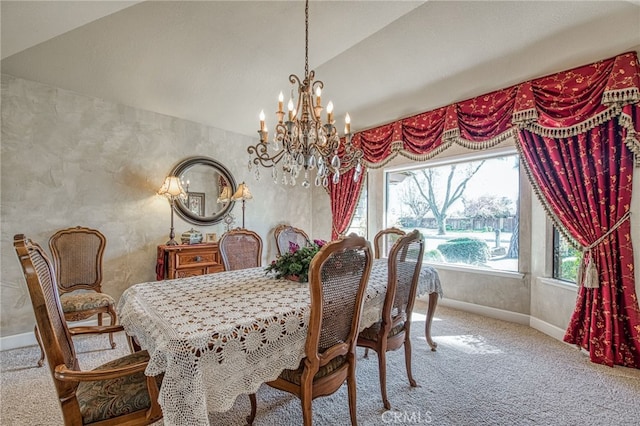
point(209, 187)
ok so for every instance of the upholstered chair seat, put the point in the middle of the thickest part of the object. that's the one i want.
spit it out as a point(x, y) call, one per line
point(81, 302)
point(295, 376)
point(106, 399)
point(372, 332)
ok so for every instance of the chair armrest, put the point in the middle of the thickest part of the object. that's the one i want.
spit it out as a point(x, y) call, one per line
point(62, 372)
point(95, 329)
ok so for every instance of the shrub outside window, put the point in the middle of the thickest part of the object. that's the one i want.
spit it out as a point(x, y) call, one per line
point(566, 259)
point(466, 210)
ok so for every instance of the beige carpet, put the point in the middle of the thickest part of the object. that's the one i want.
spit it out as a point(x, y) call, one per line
point(485, 372)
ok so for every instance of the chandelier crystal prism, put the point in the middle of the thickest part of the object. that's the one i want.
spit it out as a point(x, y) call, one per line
point(302, 142)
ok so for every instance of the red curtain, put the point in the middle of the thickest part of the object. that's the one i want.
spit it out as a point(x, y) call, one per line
point(344, 200)
point(585, 182)
point(578, 130)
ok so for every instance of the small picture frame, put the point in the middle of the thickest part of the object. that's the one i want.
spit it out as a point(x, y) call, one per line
point(211, 238)
point(195, 203)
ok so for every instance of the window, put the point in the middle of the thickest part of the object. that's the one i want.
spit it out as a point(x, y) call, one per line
point(466, 210)
point(566, 259)
point(359, 221)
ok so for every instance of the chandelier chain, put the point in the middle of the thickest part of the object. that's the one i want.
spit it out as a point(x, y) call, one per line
point(306, 39)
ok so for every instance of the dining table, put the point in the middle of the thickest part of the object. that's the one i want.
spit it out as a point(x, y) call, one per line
point(215, 337)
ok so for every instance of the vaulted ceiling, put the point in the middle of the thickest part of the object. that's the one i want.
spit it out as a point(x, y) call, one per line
point(220, 63)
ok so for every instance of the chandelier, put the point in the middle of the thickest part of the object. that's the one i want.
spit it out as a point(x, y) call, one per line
point(302, 142)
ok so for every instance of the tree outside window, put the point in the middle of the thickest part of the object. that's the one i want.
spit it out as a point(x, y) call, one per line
point(467, 211)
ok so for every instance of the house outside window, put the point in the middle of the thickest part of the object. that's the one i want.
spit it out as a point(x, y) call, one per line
point(467, 210)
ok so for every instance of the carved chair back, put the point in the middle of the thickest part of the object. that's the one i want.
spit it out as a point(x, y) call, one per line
point(240, 249)
point(384, 240)
point(285, 234)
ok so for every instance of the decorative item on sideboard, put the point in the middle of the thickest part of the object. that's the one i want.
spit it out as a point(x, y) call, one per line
point(191, 236)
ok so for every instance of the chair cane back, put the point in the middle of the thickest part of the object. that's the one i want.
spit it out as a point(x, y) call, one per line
point(115, 393)
point(393, 330)
point(285, 234)
point(77, 258)
point(240, 249)
point(384, 240)
point(338, 277)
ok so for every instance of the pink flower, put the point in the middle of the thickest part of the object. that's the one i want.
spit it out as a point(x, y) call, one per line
point(293, 247)
point(319, 243)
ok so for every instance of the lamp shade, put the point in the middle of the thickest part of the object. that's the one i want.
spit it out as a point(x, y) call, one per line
point(171, 187)
point(225, 195)
point(242, 193)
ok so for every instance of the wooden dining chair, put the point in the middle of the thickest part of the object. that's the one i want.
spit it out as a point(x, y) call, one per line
point(115, 393)
point(286, 234)
point(338, 277)
point(383, 241)
point(393, 330)
point(240, 249)
point(77, 258)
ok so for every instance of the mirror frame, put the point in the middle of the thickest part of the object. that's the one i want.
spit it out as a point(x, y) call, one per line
point(182, 209)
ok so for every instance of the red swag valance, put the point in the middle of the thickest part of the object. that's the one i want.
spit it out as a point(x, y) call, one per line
point(559, 105)
point(571, 129)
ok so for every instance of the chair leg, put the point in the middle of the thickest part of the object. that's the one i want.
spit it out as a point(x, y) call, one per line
point(113, 316)
point(351, 388)
point(37, 333)
point(305, 400)
point(407, 359)
point(382, 371)
point(254, 409)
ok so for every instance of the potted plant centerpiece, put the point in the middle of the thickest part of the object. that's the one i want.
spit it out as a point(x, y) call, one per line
point(294, 265)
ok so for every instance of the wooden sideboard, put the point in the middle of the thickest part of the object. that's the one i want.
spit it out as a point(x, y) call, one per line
point(186, 260)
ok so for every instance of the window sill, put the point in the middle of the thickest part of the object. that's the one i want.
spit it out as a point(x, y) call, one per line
point(472, 270)
point(558, 283)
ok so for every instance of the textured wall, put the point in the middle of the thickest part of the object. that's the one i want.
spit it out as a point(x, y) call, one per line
point(71, 160)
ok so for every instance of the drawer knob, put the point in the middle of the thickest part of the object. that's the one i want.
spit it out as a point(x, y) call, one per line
point(198, 258)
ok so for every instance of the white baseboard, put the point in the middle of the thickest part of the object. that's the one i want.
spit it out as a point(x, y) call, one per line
point(546, 328)
point(29, 339)
point(17, 341)
point(535, 323)
point(486, 311)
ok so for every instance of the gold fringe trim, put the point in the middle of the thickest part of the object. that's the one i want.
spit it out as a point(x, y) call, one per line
point(567, 132)
point(521, 118)
point(623, 96)
point(632, 141)
point(429, 155)
point(451, 134)
point(490, 143)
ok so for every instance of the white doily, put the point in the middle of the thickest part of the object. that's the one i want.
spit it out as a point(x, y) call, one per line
point(219, 336)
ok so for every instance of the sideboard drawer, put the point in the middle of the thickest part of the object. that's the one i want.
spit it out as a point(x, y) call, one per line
point(190, 258)
point(181, 261)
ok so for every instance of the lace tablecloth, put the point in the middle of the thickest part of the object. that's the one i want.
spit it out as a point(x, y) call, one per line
point(219, 336)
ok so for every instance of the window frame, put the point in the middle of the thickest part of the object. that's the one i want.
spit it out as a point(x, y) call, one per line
point(462, 158)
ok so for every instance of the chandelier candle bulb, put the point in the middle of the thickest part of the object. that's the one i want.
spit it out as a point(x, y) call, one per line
point(347, 124)
point(280, 102)
point(262, 125)
point(291, 110)
point(330, 113)
point(318, 96)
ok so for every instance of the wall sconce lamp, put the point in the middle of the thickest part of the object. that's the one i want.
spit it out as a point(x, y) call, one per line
point(242, 193)
point(172, 189)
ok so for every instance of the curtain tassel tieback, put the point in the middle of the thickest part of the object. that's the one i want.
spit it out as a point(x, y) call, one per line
point(590, 271)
